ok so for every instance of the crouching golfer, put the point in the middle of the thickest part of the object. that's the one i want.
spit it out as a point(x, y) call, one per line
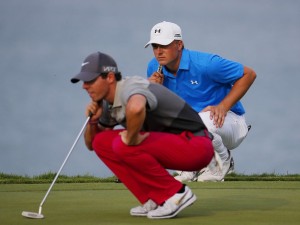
point(161, 132)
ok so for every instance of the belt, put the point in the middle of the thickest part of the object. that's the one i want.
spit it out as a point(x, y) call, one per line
point(204, 133)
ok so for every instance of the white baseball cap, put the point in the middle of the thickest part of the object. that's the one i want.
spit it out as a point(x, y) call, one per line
point(164, 33)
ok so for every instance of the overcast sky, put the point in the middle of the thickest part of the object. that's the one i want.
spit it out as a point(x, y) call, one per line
point(43, 43)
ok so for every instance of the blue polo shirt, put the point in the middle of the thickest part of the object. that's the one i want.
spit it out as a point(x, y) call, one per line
point(202, 79)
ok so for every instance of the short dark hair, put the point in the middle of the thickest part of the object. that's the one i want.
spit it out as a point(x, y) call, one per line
point(118, 75)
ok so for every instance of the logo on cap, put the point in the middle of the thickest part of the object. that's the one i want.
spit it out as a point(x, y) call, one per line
point(157, 31)
point(85, 63)
point(109, 69)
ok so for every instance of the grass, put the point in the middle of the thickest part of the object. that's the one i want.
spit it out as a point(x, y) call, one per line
point(234, 203)
point(263, 177)
point(48, 178)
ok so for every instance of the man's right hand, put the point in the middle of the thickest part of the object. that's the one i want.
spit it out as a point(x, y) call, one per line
point(95, 109)
point(156, 77)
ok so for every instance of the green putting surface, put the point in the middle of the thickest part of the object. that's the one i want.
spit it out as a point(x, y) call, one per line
point(231, 203)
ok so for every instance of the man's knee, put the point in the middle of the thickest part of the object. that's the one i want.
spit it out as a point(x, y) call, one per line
point(103, 140)
point(209, 123)
point(121, 150)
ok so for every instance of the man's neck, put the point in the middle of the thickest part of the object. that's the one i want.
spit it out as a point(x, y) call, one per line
point(173, 66)
point(111, 93)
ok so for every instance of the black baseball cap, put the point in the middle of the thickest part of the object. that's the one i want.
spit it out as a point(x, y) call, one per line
point(95, 64)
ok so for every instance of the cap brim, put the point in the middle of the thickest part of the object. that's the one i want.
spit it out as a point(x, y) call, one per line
point(84, 76)
point(159, 42)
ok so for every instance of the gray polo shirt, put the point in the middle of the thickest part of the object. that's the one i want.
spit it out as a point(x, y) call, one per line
point(165, 112)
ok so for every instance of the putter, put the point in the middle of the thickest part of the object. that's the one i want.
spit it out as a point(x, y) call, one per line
point(159, 69)
point(39, 215)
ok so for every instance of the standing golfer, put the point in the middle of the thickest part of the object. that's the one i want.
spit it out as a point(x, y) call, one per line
point(161, 132)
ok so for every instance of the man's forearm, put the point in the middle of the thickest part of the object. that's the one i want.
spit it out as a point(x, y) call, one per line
point(239, 89)
point(135, 116)
point(91, 130)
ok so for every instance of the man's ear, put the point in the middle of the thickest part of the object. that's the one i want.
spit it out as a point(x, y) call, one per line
point(180, 45)
point(111, 77)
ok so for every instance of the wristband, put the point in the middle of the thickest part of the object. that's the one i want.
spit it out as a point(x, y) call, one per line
point(93, 122)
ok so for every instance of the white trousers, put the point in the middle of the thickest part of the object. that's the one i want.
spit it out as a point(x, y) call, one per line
point(230, 135)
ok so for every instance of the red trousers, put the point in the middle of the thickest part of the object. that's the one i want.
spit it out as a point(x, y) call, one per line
point(143, 168)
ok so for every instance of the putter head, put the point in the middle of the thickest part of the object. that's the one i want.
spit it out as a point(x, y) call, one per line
point(32, 215)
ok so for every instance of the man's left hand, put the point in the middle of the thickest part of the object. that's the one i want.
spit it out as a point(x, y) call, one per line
point(217, 113)
point(133, 141)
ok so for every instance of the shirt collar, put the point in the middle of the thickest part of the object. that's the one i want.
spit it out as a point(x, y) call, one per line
point(185, 60)
point(184, 63)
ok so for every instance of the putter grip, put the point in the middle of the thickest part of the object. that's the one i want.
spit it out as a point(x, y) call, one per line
point(159, 69)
